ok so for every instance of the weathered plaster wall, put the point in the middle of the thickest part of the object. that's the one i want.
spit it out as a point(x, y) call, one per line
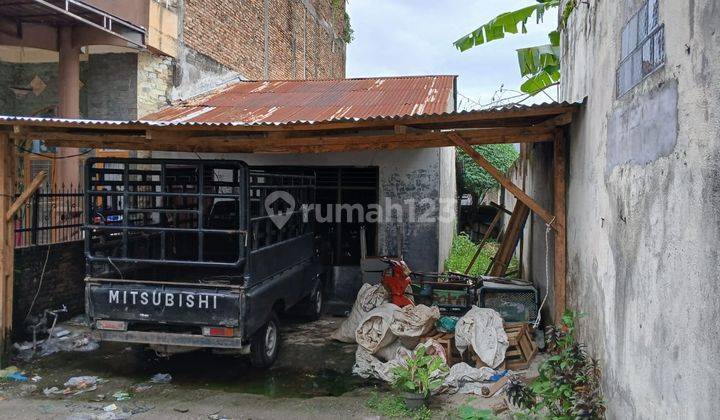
point(411, 174)
point(644, 210)
point(112, 86)
point(533, 173)
point(41, 81)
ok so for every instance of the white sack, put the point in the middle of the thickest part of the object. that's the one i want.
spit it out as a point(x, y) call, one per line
point(369, 366)
point(368, 298)
point(462, 374)
point(392, 350)
point(482, 330)
point(414, 321)
point(374, 333)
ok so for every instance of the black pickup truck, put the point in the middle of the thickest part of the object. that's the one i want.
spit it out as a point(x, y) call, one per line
point(188, 254)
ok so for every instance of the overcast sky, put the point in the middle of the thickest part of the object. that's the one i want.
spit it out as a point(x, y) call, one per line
point(414, 37)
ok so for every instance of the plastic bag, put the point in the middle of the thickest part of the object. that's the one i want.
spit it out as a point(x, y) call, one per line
point(368, 298)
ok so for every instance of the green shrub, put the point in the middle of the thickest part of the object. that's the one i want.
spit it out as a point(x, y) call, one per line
point(462, 251)
point(569, 382)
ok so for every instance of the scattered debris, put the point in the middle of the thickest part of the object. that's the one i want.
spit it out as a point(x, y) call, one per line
point(161, 378)
point(111, 407)
point(141, 387)
point(122, 396)
point(80, 382)
point(61, 333)
point(36, 378)
point(181, 410)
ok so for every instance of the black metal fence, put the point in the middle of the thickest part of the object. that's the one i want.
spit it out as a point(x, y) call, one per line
point(51, 215)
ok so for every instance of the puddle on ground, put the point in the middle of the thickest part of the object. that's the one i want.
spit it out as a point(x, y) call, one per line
point(322, 368)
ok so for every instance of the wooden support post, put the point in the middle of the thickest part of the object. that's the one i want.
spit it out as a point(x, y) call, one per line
point(502, 179)
point(30, 190)
point(560, 243)
point(7, 184)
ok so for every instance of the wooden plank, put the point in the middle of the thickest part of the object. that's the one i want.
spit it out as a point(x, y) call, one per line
point(484, 240)
point(502, 179)
point(278, 144)
point(512, 234)
point(560, 243)
point(30, 190)
point(7, 183)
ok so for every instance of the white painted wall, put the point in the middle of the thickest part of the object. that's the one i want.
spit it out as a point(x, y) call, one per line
point(404, 174)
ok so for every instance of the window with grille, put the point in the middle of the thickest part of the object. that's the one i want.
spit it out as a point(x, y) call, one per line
point(642, 47)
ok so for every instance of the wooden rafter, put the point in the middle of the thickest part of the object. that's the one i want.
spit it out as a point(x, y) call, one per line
point(503, 180)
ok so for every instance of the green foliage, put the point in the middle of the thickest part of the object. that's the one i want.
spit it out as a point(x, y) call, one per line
point(462, 251)
point(347, 30)
point(393, 406)
point(466, 412)
point(476, 179)
point(422, 373)
point(540, 64)
point(568, 385)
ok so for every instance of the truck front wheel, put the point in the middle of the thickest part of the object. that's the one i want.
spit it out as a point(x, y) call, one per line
point(265, 343)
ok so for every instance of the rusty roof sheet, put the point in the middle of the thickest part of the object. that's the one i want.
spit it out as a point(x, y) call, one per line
point(509, 115)
point(293, 101)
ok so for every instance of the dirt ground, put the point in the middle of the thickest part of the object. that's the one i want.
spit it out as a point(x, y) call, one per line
point(311, 379)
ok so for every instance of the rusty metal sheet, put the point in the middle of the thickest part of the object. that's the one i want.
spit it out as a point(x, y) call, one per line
point(316, 100)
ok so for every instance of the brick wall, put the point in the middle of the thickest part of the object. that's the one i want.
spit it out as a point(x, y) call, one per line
point(62, 283)
point(299, 36)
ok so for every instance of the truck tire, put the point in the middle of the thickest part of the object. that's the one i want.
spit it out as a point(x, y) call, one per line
point(265, 343)
point(314, 306)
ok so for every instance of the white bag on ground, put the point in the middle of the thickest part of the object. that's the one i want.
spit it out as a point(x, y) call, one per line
point(374, 333)
point(461, 374)
point(482, 330)
point(368, 298)
point(369, 366)
point(414, 321)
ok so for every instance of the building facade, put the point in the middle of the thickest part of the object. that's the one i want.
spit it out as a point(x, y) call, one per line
point(643, 220)
point(190, 46)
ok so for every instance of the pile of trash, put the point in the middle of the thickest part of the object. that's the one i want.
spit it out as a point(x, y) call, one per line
point(59, 339)
point(387, 335)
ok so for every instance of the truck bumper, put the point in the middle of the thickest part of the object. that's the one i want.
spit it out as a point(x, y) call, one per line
point(172, 339)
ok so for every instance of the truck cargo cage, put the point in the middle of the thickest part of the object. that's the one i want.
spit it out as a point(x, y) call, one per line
point(185, 212)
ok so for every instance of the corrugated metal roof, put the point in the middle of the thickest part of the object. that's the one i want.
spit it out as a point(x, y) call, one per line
point(510, 115)
point(286, 101)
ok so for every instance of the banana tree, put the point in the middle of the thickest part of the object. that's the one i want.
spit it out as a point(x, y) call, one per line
point(539, 64)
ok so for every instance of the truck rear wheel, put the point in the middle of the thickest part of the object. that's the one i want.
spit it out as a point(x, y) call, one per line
point(314, 307)
point(265, 343)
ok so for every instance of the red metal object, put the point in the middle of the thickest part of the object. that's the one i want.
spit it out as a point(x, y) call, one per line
point(316, 100)
point(396, 279)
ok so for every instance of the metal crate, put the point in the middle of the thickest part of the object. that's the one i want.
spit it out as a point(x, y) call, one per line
point(513, 303)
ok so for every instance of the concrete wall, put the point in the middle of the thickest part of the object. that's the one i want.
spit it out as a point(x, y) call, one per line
point(62, 283)
point(643, 218)
point(112, 86)
point(412, 174)
point(41, 81)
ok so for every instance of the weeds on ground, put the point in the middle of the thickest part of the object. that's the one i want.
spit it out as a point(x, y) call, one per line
point(569, 381)
point(462, 251)
point(466, 412)
point(394, 406)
